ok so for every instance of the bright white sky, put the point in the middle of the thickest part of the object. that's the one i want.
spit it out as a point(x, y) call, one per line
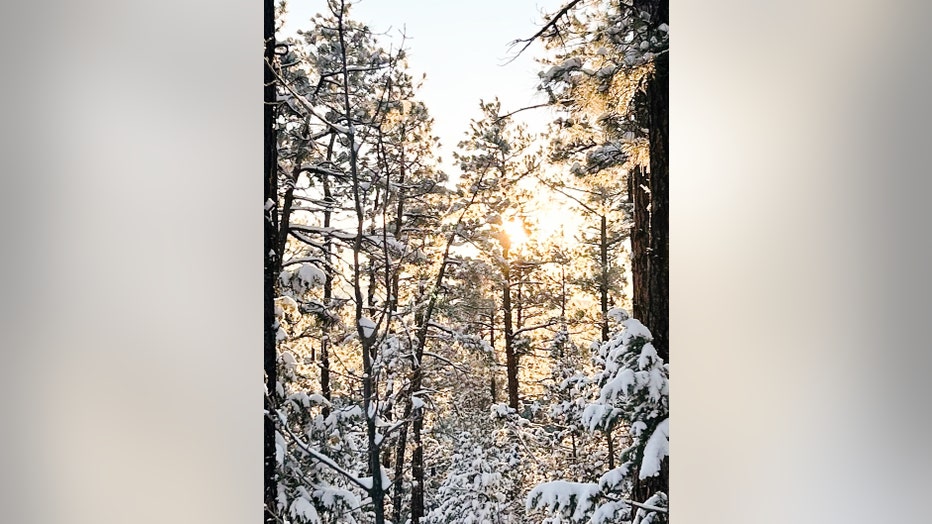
point(461, 46)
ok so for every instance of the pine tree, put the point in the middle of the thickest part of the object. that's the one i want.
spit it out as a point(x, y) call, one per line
point(356, 172)
point(494, 159)
point(634, 389)
point(609, 71)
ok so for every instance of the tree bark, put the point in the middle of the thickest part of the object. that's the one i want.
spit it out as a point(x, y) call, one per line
point(640, 242)
point(417, 465)
point(611, 449)
point(603, 275)
point(328, 290)
point(493, 387)
point(271, 264)
point(657, 93)
point(658, 319)
point(511, 357)
point(400, 450)
point(399, 214)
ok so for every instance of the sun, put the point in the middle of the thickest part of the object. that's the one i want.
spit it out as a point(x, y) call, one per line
point(514, 229)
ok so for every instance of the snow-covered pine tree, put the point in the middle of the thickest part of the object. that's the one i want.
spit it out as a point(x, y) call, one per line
point(634, 390)
point(483, 481)
point(494, 158)
point(356, 186)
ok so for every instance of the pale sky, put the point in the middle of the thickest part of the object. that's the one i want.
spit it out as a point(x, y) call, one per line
point(461, 46)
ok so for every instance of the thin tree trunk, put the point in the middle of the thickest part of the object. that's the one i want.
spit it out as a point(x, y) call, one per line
point(373, 261)
point(417, 458)
point(401, 447)
point(603, 276)
point(377, 492)
point(328, 289)
point(399, 214)
point(611, 449)
point(563, 293)
point(511, 357)
point(573, 439)
point(422, 320)
point(400, 450)
point(493, 387)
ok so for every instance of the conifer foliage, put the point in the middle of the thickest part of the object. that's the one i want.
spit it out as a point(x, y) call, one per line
point(452, 347)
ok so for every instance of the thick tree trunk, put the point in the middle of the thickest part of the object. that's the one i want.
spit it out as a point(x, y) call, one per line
point(658, 319)
point(644, 489)
point(271, 264)
point(640, 242)
point(657, 94)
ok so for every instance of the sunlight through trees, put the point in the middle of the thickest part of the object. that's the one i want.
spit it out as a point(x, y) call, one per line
point(459, 347)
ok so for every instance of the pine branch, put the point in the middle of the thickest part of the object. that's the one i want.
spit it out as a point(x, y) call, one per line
point(549, 25)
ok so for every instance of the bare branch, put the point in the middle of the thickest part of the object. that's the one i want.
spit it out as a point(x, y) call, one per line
point(549, 25)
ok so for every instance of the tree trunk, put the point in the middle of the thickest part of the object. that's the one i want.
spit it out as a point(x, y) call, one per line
point(400, 450)
point(422, 320)
point(492, 384)
point(657, 93)
point(417, 463)
point(367, 341)
point(603, 276)
point(640, 242)
point(328, 295)
point(657, 317)
point(645, 488)
point(611, 449)
point(399, 214)
point(511, 357)
point(271, 265)
point(658, 96)
point(563, 294)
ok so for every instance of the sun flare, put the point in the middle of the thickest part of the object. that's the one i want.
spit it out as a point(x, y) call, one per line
point(514, 229)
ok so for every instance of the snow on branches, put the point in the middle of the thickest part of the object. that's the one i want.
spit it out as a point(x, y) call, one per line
point(634, 389)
